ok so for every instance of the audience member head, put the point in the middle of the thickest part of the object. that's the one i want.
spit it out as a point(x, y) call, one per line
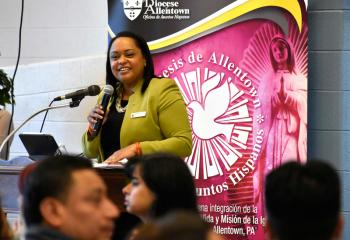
point(176, 225)
point(160, 183)
point(24, 174)
point(148, 70)
point(303, 202)
point(66, 194)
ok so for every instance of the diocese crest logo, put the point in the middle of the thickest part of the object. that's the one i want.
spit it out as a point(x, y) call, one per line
point(132, 8)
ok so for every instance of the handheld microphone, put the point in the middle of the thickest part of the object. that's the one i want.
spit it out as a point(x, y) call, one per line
point(107, 93)
point(92, 90)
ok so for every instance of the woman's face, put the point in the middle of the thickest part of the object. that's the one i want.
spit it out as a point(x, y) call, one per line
point(279, 52)
point(127, 61)
point(138, 197)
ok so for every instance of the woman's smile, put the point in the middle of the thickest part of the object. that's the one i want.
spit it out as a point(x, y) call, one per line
point(127, 61)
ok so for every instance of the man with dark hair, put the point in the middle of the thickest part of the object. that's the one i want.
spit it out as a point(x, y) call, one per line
point(303, 202)
point(64, 198)
point(176, 225)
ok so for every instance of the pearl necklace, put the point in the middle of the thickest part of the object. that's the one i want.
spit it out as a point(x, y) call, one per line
point(118, 105)
point(118, 101)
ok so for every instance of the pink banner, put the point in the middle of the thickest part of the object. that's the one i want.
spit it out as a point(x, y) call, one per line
point(247, 114)
point(242, 69)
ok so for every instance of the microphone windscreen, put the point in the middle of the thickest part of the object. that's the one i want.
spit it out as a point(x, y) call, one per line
point(93, 90)
point(108, 89)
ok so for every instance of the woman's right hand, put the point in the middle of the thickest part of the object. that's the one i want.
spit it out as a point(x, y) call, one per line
point(95, 114)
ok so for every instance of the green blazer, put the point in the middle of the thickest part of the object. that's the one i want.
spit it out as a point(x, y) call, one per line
point(157, 119)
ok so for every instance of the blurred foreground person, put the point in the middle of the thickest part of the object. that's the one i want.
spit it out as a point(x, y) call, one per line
point(303, 202)
point(64, 198)
point(160, 183)
point(178, 225)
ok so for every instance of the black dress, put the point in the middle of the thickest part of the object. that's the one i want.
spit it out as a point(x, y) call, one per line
point(110, 132)
point(110, 142)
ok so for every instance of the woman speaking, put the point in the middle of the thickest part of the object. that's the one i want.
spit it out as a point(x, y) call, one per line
point(145, 114)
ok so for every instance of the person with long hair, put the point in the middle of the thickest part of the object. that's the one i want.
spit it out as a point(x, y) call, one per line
point(160, 183)
point(146, 114)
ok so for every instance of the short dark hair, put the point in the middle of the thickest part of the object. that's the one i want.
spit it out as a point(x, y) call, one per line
point(183, 225)
point(142, 44)
point(51, 177)
point(175, 225)
point(169, 178)
point(303, 201)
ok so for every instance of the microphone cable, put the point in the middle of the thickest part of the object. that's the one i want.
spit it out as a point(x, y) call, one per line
point(42, 125)
point(14, 75)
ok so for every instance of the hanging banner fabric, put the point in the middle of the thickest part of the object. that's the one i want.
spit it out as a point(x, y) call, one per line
point(242, 69)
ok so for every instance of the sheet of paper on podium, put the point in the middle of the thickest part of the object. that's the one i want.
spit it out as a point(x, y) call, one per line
point(120, 164)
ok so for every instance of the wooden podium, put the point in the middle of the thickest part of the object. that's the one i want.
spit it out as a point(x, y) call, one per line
point(115, 180)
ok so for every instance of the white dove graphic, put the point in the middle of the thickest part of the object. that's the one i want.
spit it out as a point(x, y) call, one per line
point(216, 102)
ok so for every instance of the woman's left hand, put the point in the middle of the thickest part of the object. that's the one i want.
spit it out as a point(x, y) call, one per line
point(126, 152)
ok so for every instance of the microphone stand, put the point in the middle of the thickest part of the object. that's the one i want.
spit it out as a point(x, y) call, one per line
point(74, 103)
